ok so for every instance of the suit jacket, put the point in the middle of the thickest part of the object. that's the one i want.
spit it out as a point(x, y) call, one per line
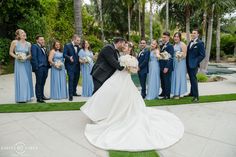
point(69, 51)
point(143, 60)
point(39, 58)
point(167, 63)
point(106, 64)
point(195, 54)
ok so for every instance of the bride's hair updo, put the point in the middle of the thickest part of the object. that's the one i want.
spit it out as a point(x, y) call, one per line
point(131, 45)
point(17, 33)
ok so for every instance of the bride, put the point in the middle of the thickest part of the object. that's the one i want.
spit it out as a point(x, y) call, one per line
point(121, 121)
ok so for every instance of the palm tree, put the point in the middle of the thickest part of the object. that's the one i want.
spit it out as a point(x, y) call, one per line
point(167, 15)
point(78, 17)
point(99, 2)
point(220, 8)
point(143, 3)
point(188, 4)
point(151, 20)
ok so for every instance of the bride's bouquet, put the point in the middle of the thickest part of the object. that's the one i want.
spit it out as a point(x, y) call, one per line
point(164, 56)
point(21, 56)
point(59, 64)
point(130, 63)
point(179, 55)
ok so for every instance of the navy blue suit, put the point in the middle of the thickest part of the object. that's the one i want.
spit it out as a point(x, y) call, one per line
point(166, 77)
point(143, 60)
point(195, 54)
point(40, 66)
point(73, 68)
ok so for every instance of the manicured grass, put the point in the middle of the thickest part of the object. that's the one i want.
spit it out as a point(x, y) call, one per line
point(133, 154)
point(36, 107)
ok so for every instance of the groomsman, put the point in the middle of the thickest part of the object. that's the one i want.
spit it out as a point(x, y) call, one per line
point(195, 54)
point(143, 59)
point(166, 66)
point(72, 64)
point(40, 67)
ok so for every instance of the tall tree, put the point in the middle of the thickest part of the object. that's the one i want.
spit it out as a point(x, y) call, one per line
point(78, 17)
point(167, 15)
point(151, 19)
point(143, 3)
point(99, 2)
point(187, 5)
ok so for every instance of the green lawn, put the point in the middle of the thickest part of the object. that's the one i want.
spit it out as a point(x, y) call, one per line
point(36, 107)
point(133, 154)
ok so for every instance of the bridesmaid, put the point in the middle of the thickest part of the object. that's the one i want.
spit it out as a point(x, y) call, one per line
point(20, 49)
point(86, 60)
point(179, 80)
point(153, 85)
point(58, 74)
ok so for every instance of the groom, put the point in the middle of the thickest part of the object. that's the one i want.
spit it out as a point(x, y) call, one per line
point(107, 62)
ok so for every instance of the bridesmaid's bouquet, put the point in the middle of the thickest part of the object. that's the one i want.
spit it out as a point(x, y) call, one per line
point(87, 59)
point(59, 64)
point(164, 56)
point(21, 56)
point(130, 63)
point(179, 55)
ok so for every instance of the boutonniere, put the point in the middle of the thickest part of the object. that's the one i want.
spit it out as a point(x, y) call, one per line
point(195, 42)
point(164, 47)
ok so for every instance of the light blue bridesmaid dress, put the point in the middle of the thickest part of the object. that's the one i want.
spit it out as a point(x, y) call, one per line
point(153, 86)
point(58, 79)
point(87, 80)
point(179, 80)
point(23, 75)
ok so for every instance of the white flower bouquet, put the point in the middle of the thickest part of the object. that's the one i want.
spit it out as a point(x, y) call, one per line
point(59, 64)
point(179, 55)
point(130, 63)
point(164, 56)
point(87, 59)
point(21, 56)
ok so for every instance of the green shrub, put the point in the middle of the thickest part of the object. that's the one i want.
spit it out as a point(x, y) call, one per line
point(202, 77)
point(227, 43)
point(95, 43)
point(4, 50)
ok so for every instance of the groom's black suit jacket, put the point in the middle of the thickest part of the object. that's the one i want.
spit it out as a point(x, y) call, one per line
point(106, 64)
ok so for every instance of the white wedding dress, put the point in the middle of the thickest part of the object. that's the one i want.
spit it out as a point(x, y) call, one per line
point(123, 122)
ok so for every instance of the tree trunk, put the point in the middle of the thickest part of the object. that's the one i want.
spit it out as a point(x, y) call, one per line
point(151, 18)
point(167, 15)
point(187, 11)
point(128, 22)
point(204, 26)
point(101, 18)
point(143, 21)
point(235, 49)
point(78, 17)
point(218, 38)
point(204, 63)
point(139, 18)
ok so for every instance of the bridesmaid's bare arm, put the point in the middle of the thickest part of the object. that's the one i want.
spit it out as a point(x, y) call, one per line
point(12, 49)
point(184, 49)
point(50, 57)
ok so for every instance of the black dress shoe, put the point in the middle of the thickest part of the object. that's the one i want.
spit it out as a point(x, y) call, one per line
point(40, 101)
point(166, 97)
point(161, 95)
point(45, 98)
point(76, 94)
point(189, 95)
point(195, 100)
point(70, 98)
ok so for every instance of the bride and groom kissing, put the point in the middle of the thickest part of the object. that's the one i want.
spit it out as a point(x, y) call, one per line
point(121, 121)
